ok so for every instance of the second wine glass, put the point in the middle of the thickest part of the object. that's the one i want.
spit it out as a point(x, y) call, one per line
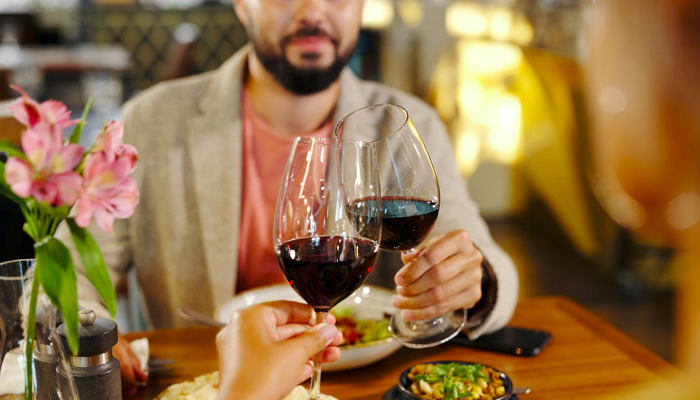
point(323, 254)
point(410, 201)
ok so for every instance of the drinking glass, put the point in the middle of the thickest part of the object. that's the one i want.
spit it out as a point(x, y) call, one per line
point(410, 201)
point(51, 373)
point(323, 254)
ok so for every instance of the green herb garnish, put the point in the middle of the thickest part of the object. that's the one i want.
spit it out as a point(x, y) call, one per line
point(453, 379)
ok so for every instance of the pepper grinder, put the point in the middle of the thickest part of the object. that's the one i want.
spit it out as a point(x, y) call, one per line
point(95, 370)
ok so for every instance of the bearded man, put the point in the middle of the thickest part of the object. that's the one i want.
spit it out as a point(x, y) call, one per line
point(213, 148)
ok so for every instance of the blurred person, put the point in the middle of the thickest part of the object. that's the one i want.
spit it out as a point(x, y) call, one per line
point(213, 148)
point(643, 84)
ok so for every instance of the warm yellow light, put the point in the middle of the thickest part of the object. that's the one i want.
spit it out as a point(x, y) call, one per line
point(500, 23)
point(377, 14)
point(411, 12)
point(466, 19)
point(522, 32)
point(482, 57)
point(468, 149)
point(503, 139)
point(471, 97)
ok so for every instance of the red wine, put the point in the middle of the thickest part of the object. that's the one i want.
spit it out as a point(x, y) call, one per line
point(406, 221)
point(324, 270)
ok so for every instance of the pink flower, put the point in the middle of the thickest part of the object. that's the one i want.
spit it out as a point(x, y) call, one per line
point(109, 192)
point(109, 142)
point(30, 113)
point(48, 174)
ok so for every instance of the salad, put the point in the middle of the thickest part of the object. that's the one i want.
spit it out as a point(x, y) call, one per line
point(456, 381)
point(357, 331)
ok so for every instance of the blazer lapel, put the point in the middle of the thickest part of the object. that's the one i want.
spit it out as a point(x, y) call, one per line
point(215, 141)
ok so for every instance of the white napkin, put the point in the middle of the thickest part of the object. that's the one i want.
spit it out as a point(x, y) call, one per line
point(142, 351)
point(12, 373)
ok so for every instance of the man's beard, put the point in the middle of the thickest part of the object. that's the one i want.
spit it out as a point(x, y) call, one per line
point(301, 81)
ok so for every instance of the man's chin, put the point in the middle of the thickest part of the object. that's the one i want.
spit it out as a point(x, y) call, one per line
point(311, 61)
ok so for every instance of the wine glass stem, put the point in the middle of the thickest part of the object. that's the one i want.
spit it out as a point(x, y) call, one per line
point(315, 389)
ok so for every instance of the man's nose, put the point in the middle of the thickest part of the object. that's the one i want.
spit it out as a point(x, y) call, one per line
point(310, 12)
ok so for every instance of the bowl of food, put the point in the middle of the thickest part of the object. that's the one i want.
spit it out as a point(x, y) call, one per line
point(363, 318)
point(452, 380)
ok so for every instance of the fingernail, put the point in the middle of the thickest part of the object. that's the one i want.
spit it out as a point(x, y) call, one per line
point(395, 301)
point(407, 315)
point(328, 332)
point(400, 280)
point(400, 290)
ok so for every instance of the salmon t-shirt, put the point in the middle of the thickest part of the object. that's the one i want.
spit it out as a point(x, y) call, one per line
point(265, 155)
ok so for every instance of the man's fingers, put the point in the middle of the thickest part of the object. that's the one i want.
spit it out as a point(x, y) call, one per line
point(465, 299)
point(436, 252)
point(437, 275)
point(438, 293)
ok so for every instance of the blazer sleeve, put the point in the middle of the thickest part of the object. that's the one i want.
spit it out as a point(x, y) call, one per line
point(458, 211)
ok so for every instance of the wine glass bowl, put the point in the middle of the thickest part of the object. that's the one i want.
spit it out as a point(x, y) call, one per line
point(410, 201)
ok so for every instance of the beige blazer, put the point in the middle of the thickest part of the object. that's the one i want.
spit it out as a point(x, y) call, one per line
point(183, 237)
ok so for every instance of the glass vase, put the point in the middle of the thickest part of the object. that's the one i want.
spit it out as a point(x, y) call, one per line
point(51, 373)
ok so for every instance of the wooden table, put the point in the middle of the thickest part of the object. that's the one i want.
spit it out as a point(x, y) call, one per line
point(586, 358)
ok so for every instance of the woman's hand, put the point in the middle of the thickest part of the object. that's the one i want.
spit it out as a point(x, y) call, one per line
point(266, 349)
point(130, 367)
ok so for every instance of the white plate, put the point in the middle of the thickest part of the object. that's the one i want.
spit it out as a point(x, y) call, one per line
point(367, 302)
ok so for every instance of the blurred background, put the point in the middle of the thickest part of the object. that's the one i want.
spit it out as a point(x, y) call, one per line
point(505, 75)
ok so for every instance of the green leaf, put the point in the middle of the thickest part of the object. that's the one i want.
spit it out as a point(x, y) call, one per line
point(5, 188)
point(11, 150)
point(59, 213)
point(94, 265)
point(78, 130)
point(59, 281)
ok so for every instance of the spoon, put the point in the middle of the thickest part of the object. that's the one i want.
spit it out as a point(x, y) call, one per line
point(196, 316)
point(520, 390)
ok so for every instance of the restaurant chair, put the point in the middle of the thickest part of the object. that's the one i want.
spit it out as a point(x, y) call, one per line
point(180, 56)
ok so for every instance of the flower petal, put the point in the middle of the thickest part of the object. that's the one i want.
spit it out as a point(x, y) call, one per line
point(126, 199)
point(109, 139)
point(18, 174)
point(128, 152)
point(56, 113)
point(68, 158)
point(104, 220)
point(69, 185)
point(41, 143)
point(44, 192)
point(25, 110)
point(83, 210)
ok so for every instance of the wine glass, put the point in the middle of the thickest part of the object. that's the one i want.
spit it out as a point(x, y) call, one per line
point(324, 256)
point(410, 201)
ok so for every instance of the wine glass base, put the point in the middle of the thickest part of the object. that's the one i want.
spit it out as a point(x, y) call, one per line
point(427, 333)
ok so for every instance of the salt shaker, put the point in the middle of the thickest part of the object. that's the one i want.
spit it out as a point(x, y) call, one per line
point(95, 370)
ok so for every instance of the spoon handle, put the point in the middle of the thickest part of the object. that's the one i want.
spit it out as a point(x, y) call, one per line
point(521, 390)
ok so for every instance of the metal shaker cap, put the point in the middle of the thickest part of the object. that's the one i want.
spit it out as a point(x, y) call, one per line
point(95, 335)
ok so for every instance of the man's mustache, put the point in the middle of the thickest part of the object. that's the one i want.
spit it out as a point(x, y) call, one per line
point(309, 31)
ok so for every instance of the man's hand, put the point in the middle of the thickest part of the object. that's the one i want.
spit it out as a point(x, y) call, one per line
point(130, 367)
point(266, 349)
point(442, 276)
